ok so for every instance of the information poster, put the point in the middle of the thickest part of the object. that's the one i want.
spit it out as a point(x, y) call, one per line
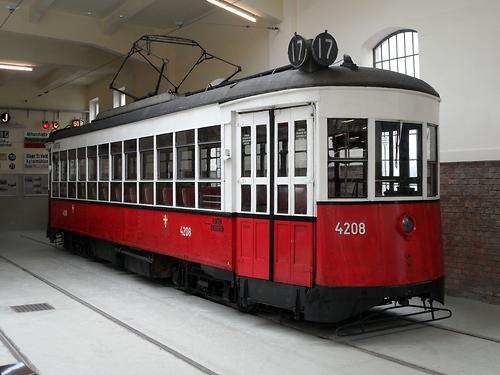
point(8, 185)
point(36, 161)
point(36, 184)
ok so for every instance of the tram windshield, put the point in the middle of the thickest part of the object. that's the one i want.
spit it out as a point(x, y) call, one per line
point(398, 155)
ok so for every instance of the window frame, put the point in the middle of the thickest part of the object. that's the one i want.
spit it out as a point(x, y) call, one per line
point(415, 53)
point(365, 160)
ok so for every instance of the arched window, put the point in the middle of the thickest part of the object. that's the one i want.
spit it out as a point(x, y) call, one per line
point(398, 52)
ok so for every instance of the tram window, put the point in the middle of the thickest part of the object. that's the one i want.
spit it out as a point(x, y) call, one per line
point(261, 198)
point(104, 162)
point(92, 163)
point(146, 193)
point(104, 191)
point(147, 158)
point(283, 150)
point(130, 150)
point(185, 196)
point(282, 199)
point(92, 190)
point(164, 194)
point(398, 158)
point(184, 142)
point(209, 144)
point(116, 155)
point(55, 189)
point(246, 198)
point(64, 165)
point(246, 151)
point(164, 144)
point(72, 165)
point(130, 192)
point(63, 192)
point(71, 189)
point(209, 195)
point(432, 161)
point(301, 148)
point(82, 164)
point(82, 190)
point(300, 199)
point(261, 156)
point(347, 158)
point(116, 191)
point(55, 166)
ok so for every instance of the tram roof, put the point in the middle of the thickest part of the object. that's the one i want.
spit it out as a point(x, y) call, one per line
point(280, 79)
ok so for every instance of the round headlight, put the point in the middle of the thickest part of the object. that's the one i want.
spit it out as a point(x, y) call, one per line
point(408, 224)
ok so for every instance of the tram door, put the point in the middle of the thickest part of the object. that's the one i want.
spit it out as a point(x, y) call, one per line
point(274, 195)
point(253, 195)
point(294, 196)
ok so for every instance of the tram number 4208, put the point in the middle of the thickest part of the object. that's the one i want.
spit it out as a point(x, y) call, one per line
point(186, 231)
point(348, 229)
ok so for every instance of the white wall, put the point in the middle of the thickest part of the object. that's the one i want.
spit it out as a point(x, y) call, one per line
point(458, 48)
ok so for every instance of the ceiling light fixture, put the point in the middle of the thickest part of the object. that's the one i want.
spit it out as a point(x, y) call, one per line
point(24, 68)
point(234, 9)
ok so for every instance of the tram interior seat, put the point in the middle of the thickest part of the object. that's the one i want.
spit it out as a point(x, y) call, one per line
point(117, 193)
point(92, 191)
point(132, 194)
point(167, 196)
point(146, 194)
point(187, 196)
point(210, 197)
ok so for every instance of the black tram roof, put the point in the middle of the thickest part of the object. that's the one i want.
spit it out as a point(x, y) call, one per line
point(280, 79)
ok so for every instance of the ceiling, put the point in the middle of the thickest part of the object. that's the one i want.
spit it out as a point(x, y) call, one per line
point(161, 14)
point(65, 40)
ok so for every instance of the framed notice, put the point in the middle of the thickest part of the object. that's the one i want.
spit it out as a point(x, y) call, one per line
point(36, 161)
point(9, 185)
point(36, 184)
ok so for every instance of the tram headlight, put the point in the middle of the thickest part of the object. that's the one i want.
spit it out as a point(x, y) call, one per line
point(407, 224)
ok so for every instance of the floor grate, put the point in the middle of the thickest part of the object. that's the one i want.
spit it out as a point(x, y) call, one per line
point(32, 307)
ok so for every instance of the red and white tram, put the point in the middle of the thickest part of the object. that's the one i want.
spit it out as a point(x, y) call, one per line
point(313, 192)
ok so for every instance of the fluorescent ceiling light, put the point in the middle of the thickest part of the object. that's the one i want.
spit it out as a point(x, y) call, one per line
point(234, 9)
point(24, 68)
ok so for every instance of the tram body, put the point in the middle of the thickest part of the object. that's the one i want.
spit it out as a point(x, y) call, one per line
point(313, 192)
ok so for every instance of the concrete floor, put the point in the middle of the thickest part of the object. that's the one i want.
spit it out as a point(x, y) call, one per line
point(107, 321)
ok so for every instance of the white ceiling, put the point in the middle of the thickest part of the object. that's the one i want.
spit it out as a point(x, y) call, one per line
point(63, 48)
point(162, 14)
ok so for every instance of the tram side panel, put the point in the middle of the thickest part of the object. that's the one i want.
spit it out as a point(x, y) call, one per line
point(252, 247)
point(198, 238)
point(363, 245)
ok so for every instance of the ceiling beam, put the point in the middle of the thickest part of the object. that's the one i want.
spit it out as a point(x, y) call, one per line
point(58, 76)
point(123, 13)
point(38, 9)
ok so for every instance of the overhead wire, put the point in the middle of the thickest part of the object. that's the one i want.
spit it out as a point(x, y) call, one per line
point(11, 12)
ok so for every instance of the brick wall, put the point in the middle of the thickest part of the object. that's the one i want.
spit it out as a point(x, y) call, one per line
point(470, 204)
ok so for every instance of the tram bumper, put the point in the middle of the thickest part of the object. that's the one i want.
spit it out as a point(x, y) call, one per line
point(333, 304)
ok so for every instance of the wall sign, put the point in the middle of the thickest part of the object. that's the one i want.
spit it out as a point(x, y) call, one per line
point(36, 184)
point(8, 185)
point(5, 118)
point(37, 160)
point(35, 138)
point(5, 138)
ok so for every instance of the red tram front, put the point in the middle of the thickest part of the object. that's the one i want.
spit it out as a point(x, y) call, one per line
point(316, 192)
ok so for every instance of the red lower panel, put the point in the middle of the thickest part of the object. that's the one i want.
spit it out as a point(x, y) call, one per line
point(363, 244)
point(294, 249)
point(199, 238)
point(252, 247)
